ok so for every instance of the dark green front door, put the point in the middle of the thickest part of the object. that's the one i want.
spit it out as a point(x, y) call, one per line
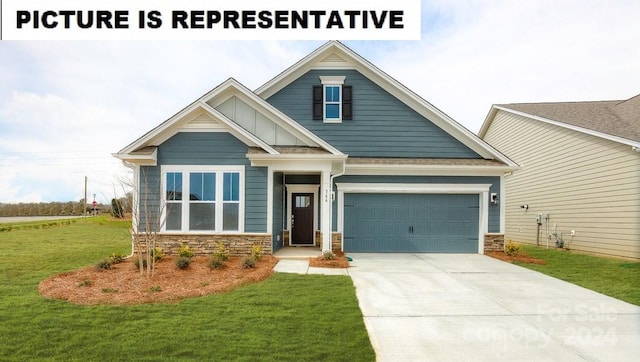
point(435, 223)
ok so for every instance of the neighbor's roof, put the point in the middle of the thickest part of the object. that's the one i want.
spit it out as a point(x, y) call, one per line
point(620, 118)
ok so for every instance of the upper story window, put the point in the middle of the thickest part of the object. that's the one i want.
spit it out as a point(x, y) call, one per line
point(332, 101)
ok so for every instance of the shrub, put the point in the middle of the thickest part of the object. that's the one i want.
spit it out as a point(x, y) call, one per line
point(182, 262)
point(103, 265)
point(136, 262)
point(222, 253)
point(185, 251)
point(328, 255)
point(249, 263)
point(116, 258)
point(154, 289)
point(511, 248)
point(157, 253)
point(85, 283)
point(216, 263)
point(256, 252)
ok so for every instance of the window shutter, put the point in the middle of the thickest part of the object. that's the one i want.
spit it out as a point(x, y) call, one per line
point(317, 102)
point(347, 103)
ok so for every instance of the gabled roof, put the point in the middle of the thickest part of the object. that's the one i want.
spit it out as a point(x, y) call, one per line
point(335, 55)
point(614, 120)
point(203, 106)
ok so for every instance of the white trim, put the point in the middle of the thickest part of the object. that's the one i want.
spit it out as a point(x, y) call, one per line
point(305, 189)
point(502, 201)
point(482, 190)
point(427, 170)
point(494, 108)
point(219, 171)
point(389, 84)
point(332, 81)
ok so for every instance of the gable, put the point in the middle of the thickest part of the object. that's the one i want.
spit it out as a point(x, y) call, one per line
point(258, 124)
point(381, 125)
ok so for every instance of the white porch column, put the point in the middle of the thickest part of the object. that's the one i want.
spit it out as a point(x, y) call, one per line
point(325, 210)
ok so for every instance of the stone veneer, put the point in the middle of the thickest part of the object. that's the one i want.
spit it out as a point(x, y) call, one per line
point(493, 242)
point(203, 244)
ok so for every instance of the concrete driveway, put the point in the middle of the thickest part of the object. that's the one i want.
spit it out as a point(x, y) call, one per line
point(453, 307)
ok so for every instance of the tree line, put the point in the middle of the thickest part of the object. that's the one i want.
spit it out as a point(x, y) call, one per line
point(68, 208)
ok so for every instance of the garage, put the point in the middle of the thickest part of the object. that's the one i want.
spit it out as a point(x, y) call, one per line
point(405, 222)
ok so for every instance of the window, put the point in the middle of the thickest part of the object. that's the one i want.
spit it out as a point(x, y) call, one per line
point(332, 101)
point(214, 203)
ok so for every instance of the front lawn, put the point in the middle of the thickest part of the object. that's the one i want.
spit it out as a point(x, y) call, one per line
point(614, 277)
point(288, 317)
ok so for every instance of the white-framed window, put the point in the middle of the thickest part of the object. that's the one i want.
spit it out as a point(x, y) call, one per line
point(207, 199)
point(332, 98)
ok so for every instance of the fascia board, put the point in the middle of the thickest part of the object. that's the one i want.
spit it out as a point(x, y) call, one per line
point(422, 170)
point(392, 86)
point(282, 119)
point(246, 136)
point(146, 160)
point(487, 121)
point(590, 132)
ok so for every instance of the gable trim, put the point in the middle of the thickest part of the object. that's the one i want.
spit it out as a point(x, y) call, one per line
point(494, 110)
point(355, 61)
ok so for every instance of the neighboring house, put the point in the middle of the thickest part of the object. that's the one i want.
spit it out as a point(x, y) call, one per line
point(580, 173)
point(331, 152)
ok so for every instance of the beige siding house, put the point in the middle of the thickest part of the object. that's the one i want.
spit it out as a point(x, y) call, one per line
point(579, 183)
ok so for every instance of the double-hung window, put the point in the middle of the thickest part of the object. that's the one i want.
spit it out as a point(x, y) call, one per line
point(214, 202)
point(332, 101)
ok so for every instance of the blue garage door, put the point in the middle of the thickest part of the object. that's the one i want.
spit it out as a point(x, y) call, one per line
point(436, 223)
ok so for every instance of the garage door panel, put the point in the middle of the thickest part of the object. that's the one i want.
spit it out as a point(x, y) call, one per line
point(411, 223)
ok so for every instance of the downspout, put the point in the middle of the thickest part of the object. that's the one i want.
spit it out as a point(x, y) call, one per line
point(333, 199)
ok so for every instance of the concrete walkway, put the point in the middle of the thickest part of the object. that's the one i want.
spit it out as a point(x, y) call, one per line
point(452, 307)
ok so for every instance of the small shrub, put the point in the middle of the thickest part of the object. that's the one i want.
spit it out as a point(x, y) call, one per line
point(256, 252)
point(116, 258)
point(182, 262)
point(136, 262)
point(222, 253)
point(109, 290)
point(154, 289)
point(103, 265)
point(85, 283)
point(511, 248)
point(157, 253)
point(185, 251)
point(249, 263)
point(328, 255)
point(216, 263)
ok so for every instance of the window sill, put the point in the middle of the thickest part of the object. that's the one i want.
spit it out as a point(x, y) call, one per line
point(332, 121)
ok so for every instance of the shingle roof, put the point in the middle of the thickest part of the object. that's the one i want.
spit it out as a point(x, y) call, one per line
point(619, 118)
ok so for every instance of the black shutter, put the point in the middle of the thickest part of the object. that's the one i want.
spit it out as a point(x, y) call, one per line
point(347, 103)
point(317, 102)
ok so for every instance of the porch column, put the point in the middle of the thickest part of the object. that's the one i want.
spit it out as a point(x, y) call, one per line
point(325, 210)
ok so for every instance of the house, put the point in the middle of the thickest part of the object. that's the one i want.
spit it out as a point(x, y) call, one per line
point(332, 152)
point(579, 185)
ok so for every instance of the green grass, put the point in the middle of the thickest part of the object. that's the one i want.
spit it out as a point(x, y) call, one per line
point(287, 317)
point(614, 277)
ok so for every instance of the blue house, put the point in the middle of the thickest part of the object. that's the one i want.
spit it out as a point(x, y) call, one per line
point(332, 152)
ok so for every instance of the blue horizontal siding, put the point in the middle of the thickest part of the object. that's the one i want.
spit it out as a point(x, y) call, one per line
point(382, 125)
point(211, 148)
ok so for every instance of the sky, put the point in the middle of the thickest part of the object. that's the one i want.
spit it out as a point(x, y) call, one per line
point(66, 106)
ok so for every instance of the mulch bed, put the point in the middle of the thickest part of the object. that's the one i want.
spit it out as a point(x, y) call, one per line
point(521, 257)
point(123, 284)
point(340, 261)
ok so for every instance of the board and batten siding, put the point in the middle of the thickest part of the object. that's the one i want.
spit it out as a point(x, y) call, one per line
point(382, 126)
point(210, 148)
point(585, 183)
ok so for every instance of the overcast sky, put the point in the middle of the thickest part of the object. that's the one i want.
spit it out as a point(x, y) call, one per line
point(66, 106)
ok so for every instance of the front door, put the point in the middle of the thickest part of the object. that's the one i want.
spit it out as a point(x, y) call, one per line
point(302, 219)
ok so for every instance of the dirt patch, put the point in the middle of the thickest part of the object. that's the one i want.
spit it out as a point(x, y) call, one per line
point(122, 284)
point(340, 261)
point(520, 258)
